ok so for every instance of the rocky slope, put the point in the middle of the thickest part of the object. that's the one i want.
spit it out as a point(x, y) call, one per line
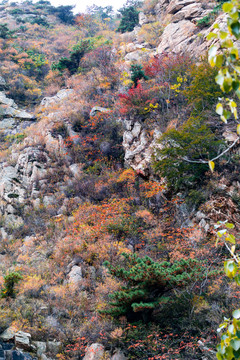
point(42, 183)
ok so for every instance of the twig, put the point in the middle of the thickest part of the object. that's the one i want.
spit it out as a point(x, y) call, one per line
point(217, 157)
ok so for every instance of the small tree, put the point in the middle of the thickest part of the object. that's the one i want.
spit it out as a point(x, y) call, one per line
point(181, 153)
point(137, 73)
point(146, 283)
point(5, 33)
point(72, 63)
point(129, 19)
point(10, 281)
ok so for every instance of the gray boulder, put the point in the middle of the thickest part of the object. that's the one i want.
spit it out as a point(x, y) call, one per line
point(6, 101)
point(22, 340)
point(94, 352)
point(62, 94)
point(75, 275)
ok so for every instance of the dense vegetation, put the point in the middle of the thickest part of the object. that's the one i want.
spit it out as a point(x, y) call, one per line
point(151, 279)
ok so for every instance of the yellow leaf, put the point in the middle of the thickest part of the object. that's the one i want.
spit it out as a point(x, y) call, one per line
point(211, 165)
point(233, 249)
point(238, 129)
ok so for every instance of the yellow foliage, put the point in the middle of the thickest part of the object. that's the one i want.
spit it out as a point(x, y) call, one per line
point(151, 33)
point(32, 282)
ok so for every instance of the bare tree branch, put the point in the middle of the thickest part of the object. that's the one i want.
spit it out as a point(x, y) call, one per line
point(217, 157)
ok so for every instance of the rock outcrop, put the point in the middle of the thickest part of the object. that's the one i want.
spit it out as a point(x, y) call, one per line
point(139, 146)
point(12, 119)
point(62, 94)
point(181, 33)
point(13, 345)
point(17, 181)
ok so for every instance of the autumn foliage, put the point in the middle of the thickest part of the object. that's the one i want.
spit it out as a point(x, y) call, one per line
point(106, 254)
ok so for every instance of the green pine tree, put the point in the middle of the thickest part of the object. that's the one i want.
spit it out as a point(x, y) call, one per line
point(147, 284)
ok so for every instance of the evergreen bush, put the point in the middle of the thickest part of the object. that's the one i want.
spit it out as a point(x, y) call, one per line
point(129, 19)
point(10, 281)
point(147, 284)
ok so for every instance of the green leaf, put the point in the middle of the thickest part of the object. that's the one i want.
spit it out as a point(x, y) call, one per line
point(236, 354)
point(237, 92)
point(226, 114)
point(211, 36)
point(227, 7)
point(235, 343)
point(227, 44)
point(236, 315)
point(234, 51)
point(222, 326)
point(227, 83)
point(221, 348)
point(223, 119)
point(231, 329)
point(219, 60)
point(219, 78)
point(231, 238)
point(219, 356)
point(220, 233)
point(229, 226)
point(223, 35)
point(237, 279)
point(212, 55)
point(235, 27)
point(230, 268)
point(228, 353)
point(235, 85)
point(213, 50)
point(237, 68)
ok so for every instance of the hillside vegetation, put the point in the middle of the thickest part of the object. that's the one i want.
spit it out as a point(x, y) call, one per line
point(108, 204)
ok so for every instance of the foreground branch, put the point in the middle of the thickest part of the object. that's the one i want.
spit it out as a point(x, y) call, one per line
point(217, 157)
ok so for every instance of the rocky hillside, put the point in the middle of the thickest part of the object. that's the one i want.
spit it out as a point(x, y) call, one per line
point(108, 206)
